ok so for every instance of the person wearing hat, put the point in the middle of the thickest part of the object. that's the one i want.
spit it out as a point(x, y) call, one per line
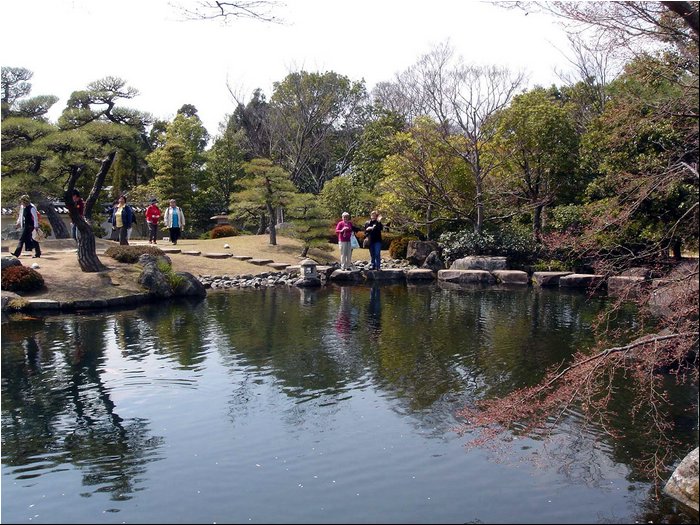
point(152, 218)
point(28, 221)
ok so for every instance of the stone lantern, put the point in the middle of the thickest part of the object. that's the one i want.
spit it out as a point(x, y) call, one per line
point(309, 274)
point(308, 269)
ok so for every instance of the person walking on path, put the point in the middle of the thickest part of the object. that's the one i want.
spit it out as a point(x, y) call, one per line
point(80, 207)
point(174, 220)
point(345, 230)
point(122, 219)
point(152, 218)
point(28, 222)
point(373, 231)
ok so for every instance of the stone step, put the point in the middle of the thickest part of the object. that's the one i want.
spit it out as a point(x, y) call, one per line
point(260, 262)
point(278, 266)
point(171, 250)
point(511, 276)
point(548, 278)
point(192, 252)
point(420, 274)
point(242, 257)
point(214, 255)
point(466, 276)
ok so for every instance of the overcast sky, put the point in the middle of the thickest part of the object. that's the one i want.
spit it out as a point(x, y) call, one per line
point(69, 43)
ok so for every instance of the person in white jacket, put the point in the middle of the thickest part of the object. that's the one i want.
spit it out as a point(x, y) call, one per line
point(28, 222)
point(174, 220)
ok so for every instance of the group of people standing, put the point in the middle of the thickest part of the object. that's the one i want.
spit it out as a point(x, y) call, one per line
point(347, 240)
point(123, 218)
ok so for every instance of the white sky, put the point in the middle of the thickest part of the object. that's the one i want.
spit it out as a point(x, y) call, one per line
point(70, 43)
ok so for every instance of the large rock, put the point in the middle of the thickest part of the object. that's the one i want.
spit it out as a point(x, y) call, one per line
point(10, 260)
point(347, 276)
point(581, 280)
point(681, 283)
point(417, 251)
point(385, 275)
point(155, 281)
point(548, 278)
point(433, 262)
point(466, 276)
point(683, 484)
point(475, 262)
point(190, 286)
point(627, 286)
point(420, 274)
point(511, 276)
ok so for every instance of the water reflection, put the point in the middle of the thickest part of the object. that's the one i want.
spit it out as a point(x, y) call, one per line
point(58, 411)
point(254, 373)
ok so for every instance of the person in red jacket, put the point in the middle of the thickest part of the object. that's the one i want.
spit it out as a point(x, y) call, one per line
point(152, 218)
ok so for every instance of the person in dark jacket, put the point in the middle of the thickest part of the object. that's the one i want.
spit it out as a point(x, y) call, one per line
point(28, 222)
point(80, 206)
point(122, 219)
point(373, 231)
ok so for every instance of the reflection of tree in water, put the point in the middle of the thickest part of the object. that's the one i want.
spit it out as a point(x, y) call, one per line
point(57, 410)
point(177, 329)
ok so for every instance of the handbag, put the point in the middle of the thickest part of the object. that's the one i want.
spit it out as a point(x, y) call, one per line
point(38, 235)
point(365, 242)
point(353, 242)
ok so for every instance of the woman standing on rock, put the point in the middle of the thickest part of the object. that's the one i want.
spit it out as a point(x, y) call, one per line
point(345, 230)
point(373, 231)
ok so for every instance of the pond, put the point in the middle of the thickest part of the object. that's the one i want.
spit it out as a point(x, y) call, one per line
point(332, 405)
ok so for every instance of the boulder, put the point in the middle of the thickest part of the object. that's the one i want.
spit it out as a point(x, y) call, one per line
point(433, 262)
point(10, 260)
point(155, 281)
point(683, 484)
point(417, 251)
point(581, 280)
point(626, 285)
point(347, 276)
point(420, 274)
point(385, 275)
point(466, 276)
point(637, 271)
point(511, 276)
point(190, 286)
point(548, 278)
point(475, 262)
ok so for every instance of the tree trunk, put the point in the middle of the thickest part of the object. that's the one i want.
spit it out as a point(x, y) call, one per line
point(87, 252)
point(273, 230)
point(97, 185)
point(305, 251)
point(479, 224)
point(676, 249)
point(263, 224)
point(57, 225)
point(537, 222)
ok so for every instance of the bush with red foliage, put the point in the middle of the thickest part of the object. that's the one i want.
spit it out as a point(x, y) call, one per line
point(21, 279)
point(223, 231)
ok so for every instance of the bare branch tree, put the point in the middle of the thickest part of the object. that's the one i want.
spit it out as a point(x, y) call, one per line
point(261, 10)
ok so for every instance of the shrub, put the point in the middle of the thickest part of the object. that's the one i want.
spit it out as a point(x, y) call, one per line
point(225, 230)
point(398, 247)
point(551, 265)
point(515, 243)
point(45, 226)
point(131, 254)
point(21, 279)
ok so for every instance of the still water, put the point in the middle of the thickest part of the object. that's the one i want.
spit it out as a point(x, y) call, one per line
point(334, 405)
